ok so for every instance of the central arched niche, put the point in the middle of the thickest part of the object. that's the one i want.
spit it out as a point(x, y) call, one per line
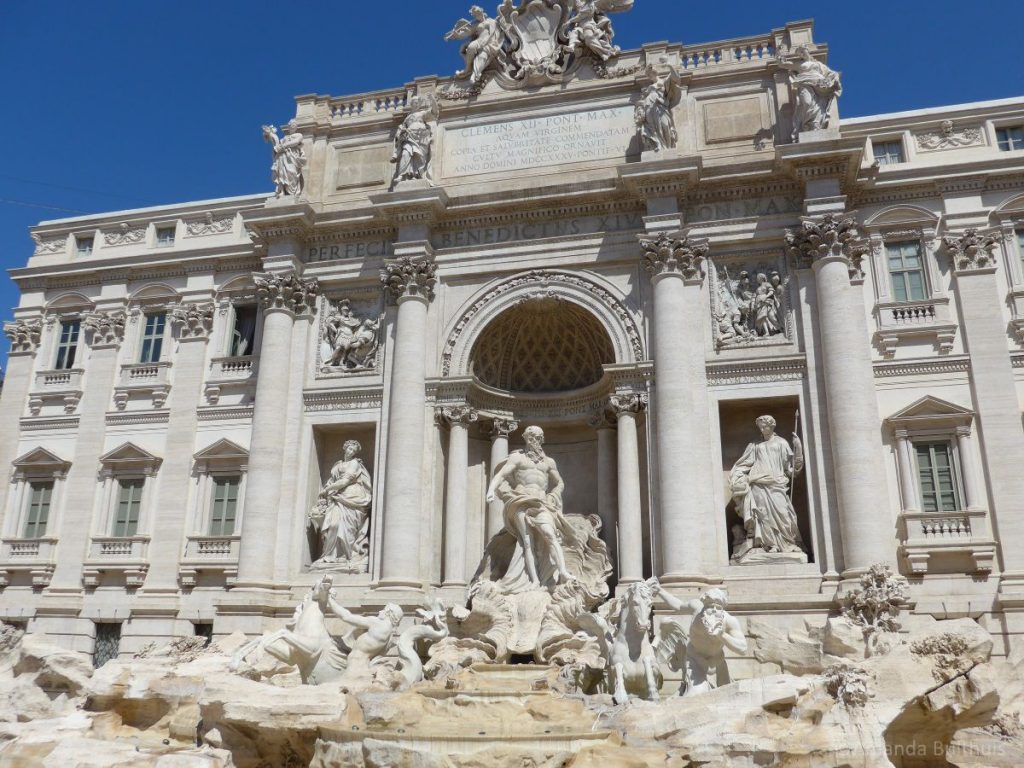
point(543, 344)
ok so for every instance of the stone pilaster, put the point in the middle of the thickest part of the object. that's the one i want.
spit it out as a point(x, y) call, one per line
point(409, 281)
point(458, 419)
point(685, 499)
point(104, 332)
point(607, 481)
point(829, 245)
point(626, 409)
point(500, 431)
point(24, 335)
point(1001, 438)
point(194, 322)
point(283, 297)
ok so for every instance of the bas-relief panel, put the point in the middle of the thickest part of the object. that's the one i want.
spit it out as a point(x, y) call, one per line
point(552, 140)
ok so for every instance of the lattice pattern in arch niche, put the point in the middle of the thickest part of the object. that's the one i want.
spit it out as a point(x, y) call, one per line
point(543, 344)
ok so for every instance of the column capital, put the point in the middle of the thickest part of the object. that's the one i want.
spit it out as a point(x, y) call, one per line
point(627, 403)
point(964, 430)
point(194, 320)
point(409, 278)
point(674, 253)
point(287, 292)
point(972, 250)
point(456, 415)
point(902, 434)
point(827, 237)
point(107, 328)
point(24, 335)
point(502, 428)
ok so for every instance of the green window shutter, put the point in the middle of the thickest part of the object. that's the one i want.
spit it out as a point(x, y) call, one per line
point(129, 504)
point(937, 478)
point(38, 509)
point(225, 505)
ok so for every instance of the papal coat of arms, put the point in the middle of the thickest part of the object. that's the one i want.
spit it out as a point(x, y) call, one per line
point(536, 41)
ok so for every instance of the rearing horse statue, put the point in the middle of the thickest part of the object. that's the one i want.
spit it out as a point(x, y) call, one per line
point(633, 662)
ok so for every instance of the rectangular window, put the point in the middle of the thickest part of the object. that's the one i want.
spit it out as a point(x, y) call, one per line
point(153, 337)
point(225, 504)
point(937, 478)
point(38, 509)
point(888, 152)
point(1010, 138)
point(83, 245)
point(67, 345)
point(243, 336)
point(906, 271)
point(164, 237)
point(129, 503)
point(108, 643)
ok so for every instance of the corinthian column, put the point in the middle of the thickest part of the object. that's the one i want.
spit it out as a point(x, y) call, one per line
point(681, 421)
point(995, 398)
point(631, 548)
point(458, 418)
point(283, 297)
point(410, 281)
point(829, 246)
point(500, 431)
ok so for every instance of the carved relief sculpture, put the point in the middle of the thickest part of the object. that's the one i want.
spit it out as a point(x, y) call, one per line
point(814, 87)
point(414, 140)
point(125, 235)
point(746, 310)
point(348, 342)
point(533, 42)
point(948, 138)
point(340, 519)
point(288, 167)
point(653, 113)
point(24, 335)
point(760, 484)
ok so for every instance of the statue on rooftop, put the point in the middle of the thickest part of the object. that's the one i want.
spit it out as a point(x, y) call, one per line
point(814, 88)
point(289, 162)
point(414, 140)
point(486, 40)
point(653, 114)
point(591, 29)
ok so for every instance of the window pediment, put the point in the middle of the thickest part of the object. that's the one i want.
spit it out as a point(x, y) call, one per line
point(40, 460)
point(129, 457)
point(931, 412)
point(905, 217)
point(223, 449)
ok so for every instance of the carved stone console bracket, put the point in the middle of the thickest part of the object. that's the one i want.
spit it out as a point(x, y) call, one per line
point(674, 253)
point(289, 292)
point(409, 277)
point(972, 250)
point(195, 321)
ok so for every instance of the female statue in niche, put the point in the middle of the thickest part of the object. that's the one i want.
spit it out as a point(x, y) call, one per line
point(760, 486)
point(341, 517)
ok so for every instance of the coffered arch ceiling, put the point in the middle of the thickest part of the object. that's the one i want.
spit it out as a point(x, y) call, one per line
point(542, 344)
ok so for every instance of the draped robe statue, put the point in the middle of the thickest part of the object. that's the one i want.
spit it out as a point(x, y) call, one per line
point(759, 483)
point(341, 517)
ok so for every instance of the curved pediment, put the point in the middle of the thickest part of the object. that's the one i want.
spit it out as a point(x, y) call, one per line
point(903, 216)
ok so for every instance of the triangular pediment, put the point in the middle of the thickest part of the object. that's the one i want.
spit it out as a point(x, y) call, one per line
point(902, 215)
point(222, 449)
point(929, 407)
point(129, 453)
point(40, 457)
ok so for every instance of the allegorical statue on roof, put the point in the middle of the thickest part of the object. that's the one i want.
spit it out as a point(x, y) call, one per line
point(814, 87)
point(286, 171)
point(653, 113)
point(414, 140)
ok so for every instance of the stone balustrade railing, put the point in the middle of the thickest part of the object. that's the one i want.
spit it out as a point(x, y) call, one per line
point(144, 374)
point(27, 549)
point(231, 368)
point(118, 548)
point(212, 547)
point(66, 379)
point(913, 313)
point(368, 104)
point(738, 51)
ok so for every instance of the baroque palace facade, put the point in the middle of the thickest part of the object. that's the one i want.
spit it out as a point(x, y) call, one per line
point(208, 406)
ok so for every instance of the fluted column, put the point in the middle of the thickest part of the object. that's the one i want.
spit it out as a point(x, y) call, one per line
point(972, 493)
point(194, 323)
point(995, 394)
point(500, 431)
point(681, 421)
point(631, 547)
point(410, 282)
point(607, 481)
point(282, 298)
point(829, 246)
point(457, 418)
point(908, 478)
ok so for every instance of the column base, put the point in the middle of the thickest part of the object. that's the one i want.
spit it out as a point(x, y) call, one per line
point(696, 580)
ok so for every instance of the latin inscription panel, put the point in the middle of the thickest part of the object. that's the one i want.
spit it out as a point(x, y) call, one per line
point(598, 134)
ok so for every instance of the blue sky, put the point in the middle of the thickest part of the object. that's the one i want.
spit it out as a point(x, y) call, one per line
point(113, 105)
